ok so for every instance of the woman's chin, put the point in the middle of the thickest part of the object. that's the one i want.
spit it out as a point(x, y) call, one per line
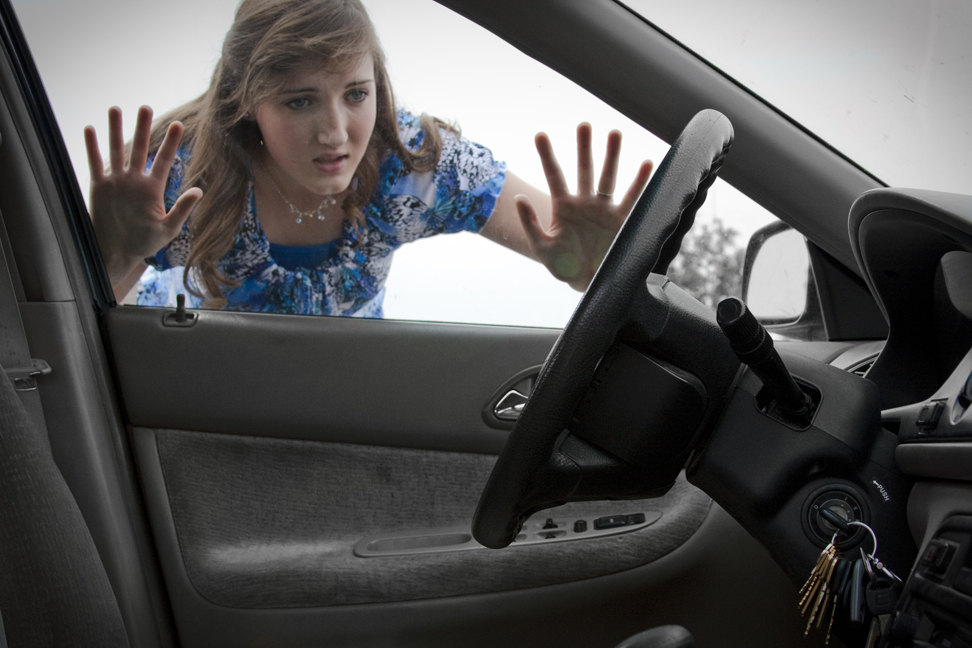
point(330, 188)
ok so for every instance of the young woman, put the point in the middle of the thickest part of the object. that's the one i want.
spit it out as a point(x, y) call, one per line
point(289, 183)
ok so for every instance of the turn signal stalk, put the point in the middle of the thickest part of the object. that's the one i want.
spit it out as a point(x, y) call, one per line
point(754, 348)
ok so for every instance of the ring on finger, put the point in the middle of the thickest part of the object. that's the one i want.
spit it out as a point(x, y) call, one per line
point(605, 194)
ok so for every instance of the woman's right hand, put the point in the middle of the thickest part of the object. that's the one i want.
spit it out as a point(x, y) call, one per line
point(127, 203)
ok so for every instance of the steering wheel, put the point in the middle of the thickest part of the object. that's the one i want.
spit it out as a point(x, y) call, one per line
point(530, 474)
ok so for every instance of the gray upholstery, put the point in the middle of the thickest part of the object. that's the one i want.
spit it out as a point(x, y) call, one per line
point(668, 636)
point(53, 587)
point(265, 523)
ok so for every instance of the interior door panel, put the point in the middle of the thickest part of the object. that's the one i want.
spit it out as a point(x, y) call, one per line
point(268, 502)
point(271, 523)
point(268, 446)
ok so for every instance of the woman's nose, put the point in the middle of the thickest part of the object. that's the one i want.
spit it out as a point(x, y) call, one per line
point(332, 129)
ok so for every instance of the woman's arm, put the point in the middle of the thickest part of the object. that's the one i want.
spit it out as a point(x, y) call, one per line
point(504, 225)
point(569, 234)
point(127, 204)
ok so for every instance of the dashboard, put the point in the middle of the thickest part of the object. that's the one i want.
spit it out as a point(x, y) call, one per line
point(916, 250)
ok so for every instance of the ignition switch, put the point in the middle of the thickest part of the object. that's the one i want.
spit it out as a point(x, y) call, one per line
point(840, 502)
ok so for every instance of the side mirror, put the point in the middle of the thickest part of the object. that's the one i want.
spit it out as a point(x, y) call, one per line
point(778, 285)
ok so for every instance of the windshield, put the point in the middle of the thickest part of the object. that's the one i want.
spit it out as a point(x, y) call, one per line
point(888, 83)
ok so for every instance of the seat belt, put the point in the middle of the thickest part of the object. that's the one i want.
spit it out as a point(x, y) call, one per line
point(14, 352)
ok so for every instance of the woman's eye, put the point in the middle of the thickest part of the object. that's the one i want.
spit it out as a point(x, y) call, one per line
point(357, 95)
point(298, 103)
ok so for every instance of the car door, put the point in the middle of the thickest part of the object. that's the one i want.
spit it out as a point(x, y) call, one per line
point(256, 479)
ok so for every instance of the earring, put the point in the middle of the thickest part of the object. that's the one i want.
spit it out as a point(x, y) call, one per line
point(246, 115)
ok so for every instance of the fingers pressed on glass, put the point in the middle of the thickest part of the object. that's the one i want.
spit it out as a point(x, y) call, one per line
point(96, 166)
point(167, 151)
point(183, 207)
point(551, 169)
point(536, 235)
point(609, 172)
point(585, 161)
point(140, 142)
point(639, 184)
point(116, 141)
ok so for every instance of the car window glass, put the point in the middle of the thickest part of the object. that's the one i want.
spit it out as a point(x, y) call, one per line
point(498, 96)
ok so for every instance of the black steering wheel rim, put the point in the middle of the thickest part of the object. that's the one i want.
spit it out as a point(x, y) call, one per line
point(648, 241)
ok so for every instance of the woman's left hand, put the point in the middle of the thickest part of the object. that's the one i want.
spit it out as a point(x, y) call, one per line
point(582, 225)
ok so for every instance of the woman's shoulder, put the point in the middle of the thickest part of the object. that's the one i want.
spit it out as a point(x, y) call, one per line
point(457, 154)
point(407, 119)
point(411, 132)
point(459, 193)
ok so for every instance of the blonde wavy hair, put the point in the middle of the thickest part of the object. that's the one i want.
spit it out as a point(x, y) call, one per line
point(268, 41)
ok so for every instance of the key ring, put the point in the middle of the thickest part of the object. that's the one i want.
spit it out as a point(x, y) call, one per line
point(872, 557)
point(869, 530)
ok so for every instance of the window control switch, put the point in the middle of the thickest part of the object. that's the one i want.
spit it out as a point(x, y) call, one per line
point(929, 415)
point(937, 556)
point(611, 521)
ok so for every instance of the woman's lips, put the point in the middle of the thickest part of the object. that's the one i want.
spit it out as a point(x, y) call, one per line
point(331, 164)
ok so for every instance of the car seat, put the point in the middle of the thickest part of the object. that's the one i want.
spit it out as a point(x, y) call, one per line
point(54, 590)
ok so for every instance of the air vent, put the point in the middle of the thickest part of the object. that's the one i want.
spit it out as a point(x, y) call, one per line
point(862, 367)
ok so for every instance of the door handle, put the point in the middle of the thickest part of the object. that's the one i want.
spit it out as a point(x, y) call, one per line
point(505, 405)
point(510, 406)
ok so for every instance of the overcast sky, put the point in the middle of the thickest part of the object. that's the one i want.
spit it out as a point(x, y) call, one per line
point(886, 82)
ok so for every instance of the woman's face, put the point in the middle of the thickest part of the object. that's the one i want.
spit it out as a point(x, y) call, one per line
point(316, 130)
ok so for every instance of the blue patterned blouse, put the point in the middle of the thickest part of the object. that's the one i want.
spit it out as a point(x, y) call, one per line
point(459, 195)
